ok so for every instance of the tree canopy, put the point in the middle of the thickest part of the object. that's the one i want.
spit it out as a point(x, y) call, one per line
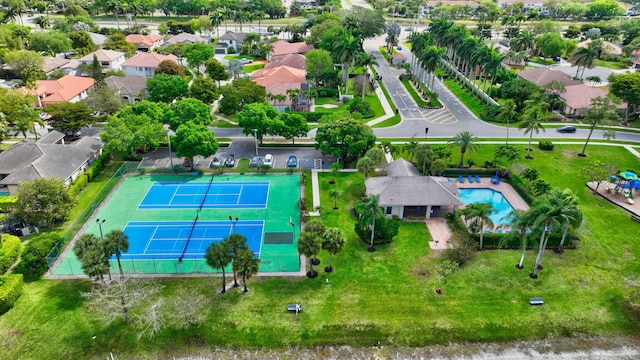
point(166, 88)
point(193, 139)
point(43, 202)
point(341, 135)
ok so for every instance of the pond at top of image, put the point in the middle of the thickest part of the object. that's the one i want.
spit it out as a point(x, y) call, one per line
point(499, 202)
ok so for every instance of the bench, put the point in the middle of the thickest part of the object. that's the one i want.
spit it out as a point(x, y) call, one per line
point(294, 308)
point(536, 301)
point(635, 218)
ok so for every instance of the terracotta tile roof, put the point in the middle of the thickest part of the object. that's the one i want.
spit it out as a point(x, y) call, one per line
point(281, 89)
point(398, 56)
point(579, 96)
point(63, 89)
point(297, 61)
point(542, 76)
point(526, 2)
point(608, 47)
point(148, 60)
point(282, 47)
point(102, 55)
point(280, 74)
point(147, 40)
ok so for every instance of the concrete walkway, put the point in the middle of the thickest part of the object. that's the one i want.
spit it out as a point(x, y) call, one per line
point(440, 233)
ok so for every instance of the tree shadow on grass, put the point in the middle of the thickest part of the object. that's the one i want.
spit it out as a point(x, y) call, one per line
point(66, 294)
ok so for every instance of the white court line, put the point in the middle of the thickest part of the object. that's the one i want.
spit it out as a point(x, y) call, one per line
point(175, 190)
point(149, 240)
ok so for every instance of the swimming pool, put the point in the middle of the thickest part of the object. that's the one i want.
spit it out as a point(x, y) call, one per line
point(499, 202)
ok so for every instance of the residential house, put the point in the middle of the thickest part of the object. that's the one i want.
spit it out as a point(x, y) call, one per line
point(296, 61)
point(577, 98)
point(398, 59)
point(608, 48)
point(66, 89)
point(230, 40)
point(542, 76)
point(98, 39)
point(430, 5)
point(109, 59)
point(132, 88)
point(282, 47)
point(536, 5)
point(405, 193)
point(635, 59)
point(145, 43)
point(279, 81)
point(50, 65)
point(144, 64)
point(185, 38)
point(49, 157)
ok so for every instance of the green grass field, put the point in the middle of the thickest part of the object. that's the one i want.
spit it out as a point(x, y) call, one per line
point(387, 296)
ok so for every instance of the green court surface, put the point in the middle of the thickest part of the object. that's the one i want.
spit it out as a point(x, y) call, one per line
point(278, 253)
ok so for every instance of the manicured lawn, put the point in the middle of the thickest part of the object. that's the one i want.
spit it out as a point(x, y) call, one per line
point(387, 296)
point(542, 61)
point(327, 100)
point(615, 65)
point(251, 68)
point(466, 97)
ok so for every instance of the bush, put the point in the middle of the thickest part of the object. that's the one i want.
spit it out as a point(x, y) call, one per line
point(7, 203)
point(78, 185)
point(9, 251)
point(462, 250)
point(95, 168)
point(325, 92)
point(34, 257)
point(497, 241)
point(520, 187)
point(10, 290)
point(545, 145)
point(386, 230)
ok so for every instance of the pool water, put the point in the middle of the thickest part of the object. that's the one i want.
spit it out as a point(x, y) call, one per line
point(499, 202)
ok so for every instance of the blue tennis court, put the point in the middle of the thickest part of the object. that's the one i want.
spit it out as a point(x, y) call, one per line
point(219, 195)
point(166, 239)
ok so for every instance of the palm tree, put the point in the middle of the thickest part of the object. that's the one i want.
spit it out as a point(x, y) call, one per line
point(547, 212)
point(333, 241)
point(478, 215)
point(217, 17)
point(25, 119)
point(585, 57)
point(309, 245)
point(247, 265)
point(524, 41)
point(432, 57)
point(507, 112)
point(237, 243)
point(316, 227)
point(118, 241)
point(601, 109)
point(365, 60)
point(218, 256)
point(335, 194)
point(369, 208)
point(90, 251)
point(465, 141)
point(346, 47)
point(570, 213)
point(493, 65)
point(532, 122)
point(520, 221)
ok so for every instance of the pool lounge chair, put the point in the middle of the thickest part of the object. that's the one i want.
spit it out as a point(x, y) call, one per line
point(470, 178)
point(499, 231)
point(478, 179)
point(460, 178)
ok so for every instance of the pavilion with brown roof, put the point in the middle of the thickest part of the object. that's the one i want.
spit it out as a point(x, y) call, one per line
point(542, 76)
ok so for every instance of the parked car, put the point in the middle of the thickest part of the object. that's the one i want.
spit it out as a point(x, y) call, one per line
point(230, 161)
point(409, 29)
point(217, 161)
point(399, 47)
point(268, 160)
point(246, 61)
point(567, 129)
point(292, 162)
point(255, 161)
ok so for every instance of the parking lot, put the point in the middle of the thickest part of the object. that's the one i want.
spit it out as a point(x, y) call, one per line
point(245, 149)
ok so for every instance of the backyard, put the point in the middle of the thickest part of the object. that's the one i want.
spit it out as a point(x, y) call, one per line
point(386, 297)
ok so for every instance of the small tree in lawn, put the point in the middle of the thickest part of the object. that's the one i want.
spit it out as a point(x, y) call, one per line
point(309, 245)
point(532, 120)
point(599, 171)
point(333, 241)
point(316, 227)
point(368, 209)
point(520, 221)
point(443, 270)
point(335, 171)
point(335, 194)
point(218, 256)
point(247, 265)
point(366, 166)
point(465, 141)
point(602, 108)
point(118, 242)
point(187, 308)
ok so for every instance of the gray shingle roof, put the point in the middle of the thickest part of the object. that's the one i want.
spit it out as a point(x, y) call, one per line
point(128, 85)
point(401, 167)
point(413, 190)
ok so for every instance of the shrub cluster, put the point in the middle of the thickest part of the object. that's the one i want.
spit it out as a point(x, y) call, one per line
point(325, 92)
point(34, 257)
point(520, 187)
point(10, 290)
point(78, 185)
point(7, 203)
point(9, 251)
point(545, 145)
point(512, 241)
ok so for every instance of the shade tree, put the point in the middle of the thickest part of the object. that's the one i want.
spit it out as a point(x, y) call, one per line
point(167, 88)
point(189, 109)
point(344, 137)
point(193, 139)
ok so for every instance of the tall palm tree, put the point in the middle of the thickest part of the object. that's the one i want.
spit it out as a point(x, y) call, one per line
point(433, 56)
point(547, 212)
point(365, 60)
point(217, 17)
point(493, 65)
point(119, 243)
point(309, 245)
point(532, 120)
point(25, 119)
point(478, 215)
point(369, 209)
point(218, 256)
point(333, 241)
point(247, 265)
point(571, 215)
point(525, 41)
point(346, 47)
point(520, 221)
point(585, 57)
point(465, 141)
point(237, 243)
point(507, 112)
point(439, 28)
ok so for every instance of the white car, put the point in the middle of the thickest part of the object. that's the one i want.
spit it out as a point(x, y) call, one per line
point(268, 160)
point(246, 61)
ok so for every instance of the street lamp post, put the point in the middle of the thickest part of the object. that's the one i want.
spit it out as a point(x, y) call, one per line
point(100, 222)
point(233, 224)
point(255, 135)
point(170, 156)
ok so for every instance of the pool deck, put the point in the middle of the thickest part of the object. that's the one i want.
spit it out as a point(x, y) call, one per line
point(438, 227)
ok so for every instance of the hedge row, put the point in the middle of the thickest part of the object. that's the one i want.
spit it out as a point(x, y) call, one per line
point(34, 257)
point(520, 187)
point(484, 172)
point(92, 171)
point(7, 203)
point(78, 185)
point(10, 290)
point(511, 241)
point(9, 251)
